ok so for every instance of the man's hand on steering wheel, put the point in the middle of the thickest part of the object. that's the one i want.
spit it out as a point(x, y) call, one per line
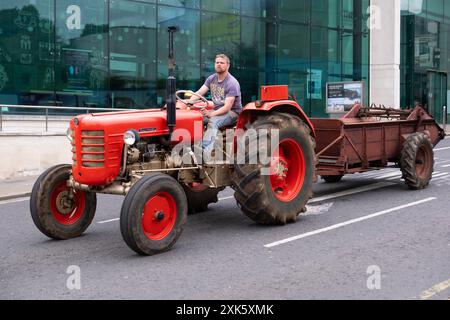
point(192, 103)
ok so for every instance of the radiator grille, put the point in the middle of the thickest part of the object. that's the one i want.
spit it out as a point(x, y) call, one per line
point(92, 149)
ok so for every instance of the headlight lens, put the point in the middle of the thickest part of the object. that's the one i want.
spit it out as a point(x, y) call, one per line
point(69, 134)
point(131, 137)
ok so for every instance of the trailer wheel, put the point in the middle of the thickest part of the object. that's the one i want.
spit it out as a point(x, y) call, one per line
point(332, 179)
point(153, 214)
point(276, 193)
point(199, 197)
point(54, 212)
point(417, 161)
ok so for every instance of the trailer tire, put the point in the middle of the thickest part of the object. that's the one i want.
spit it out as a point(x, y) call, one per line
point(332, 179)
point(49, 214)
point(198, 200)
point(259, 195)
point(417, 161)
point(153, 214)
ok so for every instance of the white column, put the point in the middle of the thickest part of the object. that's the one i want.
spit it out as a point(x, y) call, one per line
point(385, 52)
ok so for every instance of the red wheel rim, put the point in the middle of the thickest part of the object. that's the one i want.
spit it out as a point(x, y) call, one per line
point(287, 170)
point(158, 218)
point(67, 211)
point(423, 159)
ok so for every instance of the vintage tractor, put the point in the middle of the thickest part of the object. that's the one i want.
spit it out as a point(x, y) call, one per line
point(153, 158)
point(132, 154)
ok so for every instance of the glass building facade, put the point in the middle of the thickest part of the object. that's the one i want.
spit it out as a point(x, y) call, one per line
point(425, 54)
point(113, 53)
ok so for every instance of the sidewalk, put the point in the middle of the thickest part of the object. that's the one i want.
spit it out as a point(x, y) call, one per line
point(17, 188)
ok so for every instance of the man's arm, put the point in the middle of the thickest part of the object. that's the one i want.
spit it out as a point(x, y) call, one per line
point(202, 91)
point(225, 109)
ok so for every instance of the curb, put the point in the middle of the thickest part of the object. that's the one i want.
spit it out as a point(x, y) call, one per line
point(15, 196)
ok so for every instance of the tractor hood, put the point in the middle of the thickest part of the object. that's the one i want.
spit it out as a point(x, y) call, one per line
point(148, 123)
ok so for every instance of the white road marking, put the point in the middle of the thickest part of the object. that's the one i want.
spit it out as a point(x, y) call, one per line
point(226, 198)
point(14, 200)
point(440, 149)
point(441, 162)
point(106, 221)
point(443, 177)
point(428, 294)
point(389, 175)
point(317, 210)
point(438, 174)
point(378, 172)
point(396, 177)
point(374, 186)
point(343, 224)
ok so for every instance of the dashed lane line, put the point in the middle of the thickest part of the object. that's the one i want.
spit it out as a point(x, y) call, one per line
point(430, 293)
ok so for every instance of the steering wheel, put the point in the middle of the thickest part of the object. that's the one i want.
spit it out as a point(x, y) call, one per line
point(190, 104)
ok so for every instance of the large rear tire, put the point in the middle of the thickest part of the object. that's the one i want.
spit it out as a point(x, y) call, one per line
point(417, 161)
point(199, 197)
point(153, 214)
point(53, 212)
point(279, 197)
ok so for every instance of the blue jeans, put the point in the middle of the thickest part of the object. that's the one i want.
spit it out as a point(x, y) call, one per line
point(214, 124)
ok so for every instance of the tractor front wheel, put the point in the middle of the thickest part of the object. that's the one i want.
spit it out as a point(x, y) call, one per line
point(153, 214)
point(58, 211)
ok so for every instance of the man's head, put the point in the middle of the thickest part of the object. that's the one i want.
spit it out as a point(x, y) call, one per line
point(222, 64)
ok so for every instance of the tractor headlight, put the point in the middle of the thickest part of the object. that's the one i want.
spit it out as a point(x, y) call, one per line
point(131, 137)
point(69, 134)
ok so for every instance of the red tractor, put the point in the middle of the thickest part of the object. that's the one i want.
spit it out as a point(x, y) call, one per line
point(132, 154)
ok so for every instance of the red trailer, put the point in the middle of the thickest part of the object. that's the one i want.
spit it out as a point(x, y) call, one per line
point(370, 138)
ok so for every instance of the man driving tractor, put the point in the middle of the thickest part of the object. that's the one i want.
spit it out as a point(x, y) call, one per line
point(226, 96)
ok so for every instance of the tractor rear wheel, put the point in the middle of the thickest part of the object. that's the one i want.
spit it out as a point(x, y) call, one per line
point(276, 192)
point(417, 161)
point(153, 214)
point(58, 211)
point(199, 197)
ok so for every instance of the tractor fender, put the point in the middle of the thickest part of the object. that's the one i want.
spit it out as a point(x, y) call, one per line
point(254, 109)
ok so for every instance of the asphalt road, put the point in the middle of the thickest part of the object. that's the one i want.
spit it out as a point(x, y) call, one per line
point(380, 242)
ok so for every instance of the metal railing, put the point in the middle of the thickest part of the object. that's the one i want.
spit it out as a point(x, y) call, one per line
point(47, 108)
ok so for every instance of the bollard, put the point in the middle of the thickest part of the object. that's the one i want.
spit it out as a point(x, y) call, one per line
point(444, 117)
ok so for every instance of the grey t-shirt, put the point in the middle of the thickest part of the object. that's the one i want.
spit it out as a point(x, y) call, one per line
point(229, 87)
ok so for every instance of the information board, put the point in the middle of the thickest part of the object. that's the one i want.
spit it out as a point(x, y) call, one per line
point(342, 96)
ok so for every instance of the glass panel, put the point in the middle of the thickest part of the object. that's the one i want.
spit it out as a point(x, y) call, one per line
point(326, 13)
point(251, 62)
point(221, 33)
point(294, 60)
point(347, 14)
point(27, 52)
point(255, 8)
point(229, 6)
point(187, 48)
point(295, 11)
point(81, 53)
point(195, 4)
point(132, 54)
point(325, 67)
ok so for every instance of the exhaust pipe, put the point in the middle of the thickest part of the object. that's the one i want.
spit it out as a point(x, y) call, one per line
point(171, 87)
